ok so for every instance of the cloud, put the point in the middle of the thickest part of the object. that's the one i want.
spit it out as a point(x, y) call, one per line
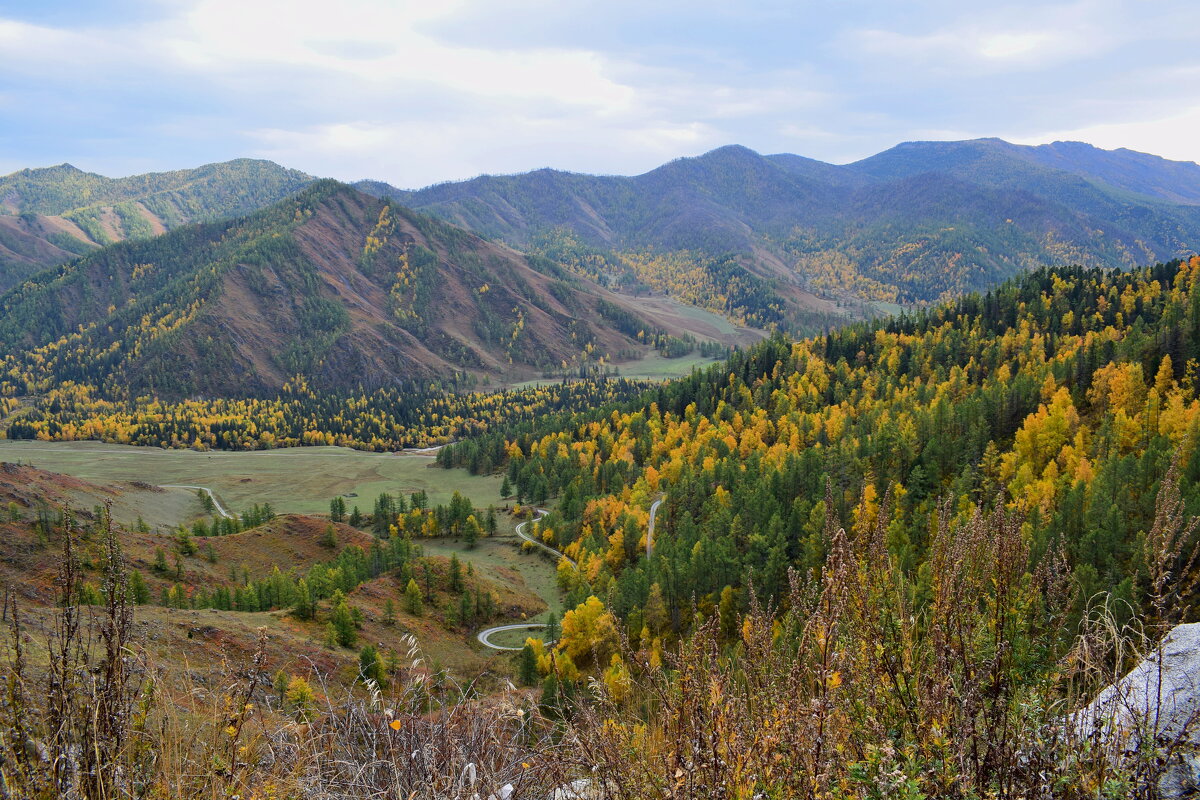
point(415, 92)
point(1002, 40)
point(1172, 136)
point(417, 153)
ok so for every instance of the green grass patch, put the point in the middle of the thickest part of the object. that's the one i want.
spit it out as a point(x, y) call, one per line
point(298, 480)
point(499, 556)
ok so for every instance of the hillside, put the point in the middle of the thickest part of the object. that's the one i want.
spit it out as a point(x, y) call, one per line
point(333, 285)
point(50, 215)
point(1063, 395)
point(921, 221)
point(870, 526)
point(201, 599)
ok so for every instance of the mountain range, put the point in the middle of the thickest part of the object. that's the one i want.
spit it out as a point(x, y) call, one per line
point(917, 222)
point(333, 285)
point(233, 278)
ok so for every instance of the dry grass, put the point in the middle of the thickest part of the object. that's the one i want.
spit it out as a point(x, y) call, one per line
point(958, 681)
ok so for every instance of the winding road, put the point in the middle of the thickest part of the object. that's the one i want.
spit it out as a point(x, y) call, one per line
point(484, 636)
point(216, 503)
point(541, 513)
point(650, 528)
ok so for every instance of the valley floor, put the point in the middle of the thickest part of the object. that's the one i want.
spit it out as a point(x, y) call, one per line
point(299, 480)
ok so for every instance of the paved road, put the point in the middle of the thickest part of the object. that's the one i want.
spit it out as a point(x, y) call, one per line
point(541, 512)
point(650, 528)
point(484, 637)
point(216, 503)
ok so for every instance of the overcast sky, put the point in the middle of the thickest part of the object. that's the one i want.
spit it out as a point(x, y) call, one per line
point(419, 92)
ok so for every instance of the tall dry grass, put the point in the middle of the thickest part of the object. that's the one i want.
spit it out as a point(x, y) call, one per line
point(957, 680)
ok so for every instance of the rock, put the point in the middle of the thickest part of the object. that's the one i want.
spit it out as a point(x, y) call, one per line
point(581, 789)
point(1158, 700)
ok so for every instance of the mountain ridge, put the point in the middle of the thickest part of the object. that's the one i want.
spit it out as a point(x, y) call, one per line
point(332, 285)
point(858, 229)
point(49, 215)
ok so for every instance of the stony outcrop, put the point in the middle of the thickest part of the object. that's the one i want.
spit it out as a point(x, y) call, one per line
point(1157, 705)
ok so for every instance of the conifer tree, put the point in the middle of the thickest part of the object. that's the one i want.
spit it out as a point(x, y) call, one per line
point(370, 665)
point(413, 602)
point(527, 666)
point(344, 628)
point(329, 539)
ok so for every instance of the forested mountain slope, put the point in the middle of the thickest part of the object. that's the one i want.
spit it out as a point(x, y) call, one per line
point(922, 221)
point(1062, 396)
point(50, 215)
point(893, 558)
point(337, 287)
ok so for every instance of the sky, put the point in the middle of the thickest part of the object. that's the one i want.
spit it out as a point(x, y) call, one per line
point(417, 92)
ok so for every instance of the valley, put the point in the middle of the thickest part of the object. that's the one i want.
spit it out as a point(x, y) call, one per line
point(293, 480)
point(749, 438)
point(599, 401)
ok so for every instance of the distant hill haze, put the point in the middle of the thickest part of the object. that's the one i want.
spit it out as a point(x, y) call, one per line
point(917, 222)
point(801, 243)
point(332, 285)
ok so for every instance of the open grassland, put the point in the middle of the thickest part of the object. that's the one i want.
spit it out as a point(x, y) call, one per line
point(501, 559)
point(296, 480)
point(700, 323)
point(655, 367)
point(651, 367)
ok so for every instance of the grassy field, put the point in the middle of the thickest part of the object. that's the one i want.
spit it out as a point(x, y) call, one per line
point(500, 555)
point(653, 367)
point(657, 368)
point(296, 480)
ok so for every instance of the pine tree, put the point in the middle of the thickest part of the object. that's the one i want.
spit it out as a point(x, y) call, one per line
point(370, 666)
point(160, 561)
point(549, 701)
point(138, 590)
point(455, 580)
point(505, 489)
point(527, 666)
point(413, 602)
point(185, 543)
point(342, 621)
point(472, 531)
point(329, 540)
point(300, 698)
point(728, 613)
point(305, 607)
point(389, 612)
